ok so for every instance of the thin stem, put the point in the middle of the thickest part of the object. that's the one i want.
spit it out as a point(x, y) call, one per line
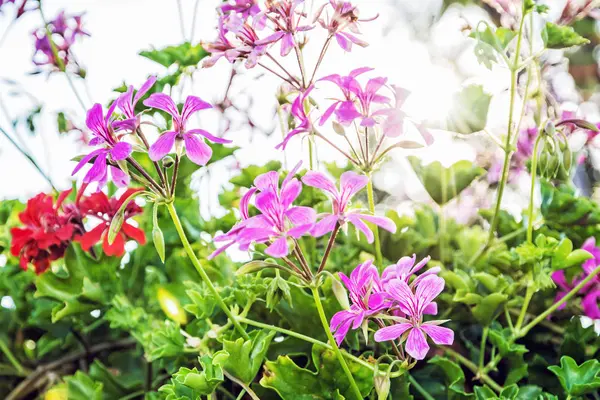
point(534, 161)
point(74, 89)
point(442, 234)
point(310, 154)
point(484, 336)
point(156, 165)
point(559, 303)
point(181, 24)
point(145, 174)
point(300, 63)
point(293, 78)
point(329, 247)
point(278, 74)
point(471, 366)
point(242, 384)
point(348, 156)
point(321, 55)
point(28, 157)
point(175, 173)
point(420, 388)
point(193, 29)
point(11, 358)
point(528, 295)
point(495, 139)
point(202, 272)
point(334, 345)
point(377, 244)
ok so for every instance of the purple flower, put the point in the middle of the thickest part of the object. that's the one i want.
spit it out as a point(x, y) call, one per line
point(277, 221)
point(197, 151)
point(21, 8)
point(590, 291)
point(367, 299)
point(246, 8)
point(299, 112)
point(345, 17)
point(112, 150)
point(350, 184)
point(285, 19)
point(127, 102)
point(412, 328)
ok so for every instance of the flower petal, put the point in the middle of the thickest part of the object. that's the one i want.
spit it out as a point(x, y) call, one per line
point(197, 151)
point(438, 334)
point(382, 222)
point(144, 88)
point(325, 225)
point(192, 105)
point(321, 181)
point(354, 219)
point(162, 102)
point(279, 248)
point(391, 332)
point(134, 233)
point(162, 146)
point(120, 151)
point(209, 136)
point(416, 344)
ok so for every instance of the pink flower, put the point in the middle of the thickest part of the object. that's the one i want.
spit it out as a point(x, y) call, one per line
point(367, 299)
point(590, 291)
point(197, 151)
point(298, 111)
point(345, 17)
point(113, 150)
point(127, 102)
point(246, 8)
point(412, 328)
point(350, 184)
point(278, 219)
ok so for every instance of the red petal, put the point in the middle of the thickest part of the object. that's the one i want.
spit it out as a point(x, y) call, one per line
point(92, 237)
point(115, 249)
point(135, 233)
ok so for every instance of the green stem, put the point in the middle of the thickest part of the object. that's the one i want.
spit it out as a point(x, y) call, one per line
point(484, 336)
point(528, 295)
point(310, 153)
point(470, 365)
point(244, 386)
point(333, 343)
point(534, 161)
point(442, 233)
point(420, 388)
point(11, 358)
point(202, 272)
point(377, 244)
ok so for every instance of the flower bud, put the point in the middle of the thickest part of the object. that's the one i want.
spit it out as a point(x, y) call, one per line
point(115, 226)
point(549, 128)
point(340, 293)
point(382, 386)
point(159, 242)
point(168, 162)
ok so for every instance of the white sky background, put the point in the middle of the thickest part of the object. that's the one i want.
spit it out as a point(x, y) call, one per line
point(404, 46)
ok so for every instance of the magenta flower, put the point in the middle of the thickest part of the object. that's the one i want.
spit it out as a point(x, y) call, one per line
point(298, 111)
point(246, 8)
point(350, 184)
point(367, 299)
point(345, 17)
point(127, 102)
point(590, 291)
point(286, 22)
point(393, 125)
point(197, 151)
point(113, 150)
point(412, 328)
point(278, 220)
point(21, 8)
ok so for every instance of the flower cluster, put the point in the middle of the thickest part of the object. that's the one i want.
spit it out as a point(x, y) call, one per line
point(398, 295)
point(590, 291)
point(53, 42)
point(49, 227)
point(279, 221)
point(248, 28)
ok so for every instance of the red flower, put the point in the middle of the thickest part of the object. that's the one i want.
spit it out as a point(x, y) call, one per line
point(47, 232)
point(99, 206)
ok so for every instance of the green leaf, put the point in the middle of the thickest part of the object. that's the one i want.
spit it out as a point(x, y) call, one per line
point(328, 381)
point(191, 383)
point(184, 55)
point(577, 380)
point(81, 387)
point(560, 37)
point(443, 184)
point(454, 375)
point(166, 341)
point(246, 356)
point(469, 110)
point(512, 352)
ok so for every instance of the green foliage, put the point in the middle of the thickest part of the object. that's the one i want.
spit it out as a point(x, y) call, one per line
point(575, 379)
point(469, 110)
point(184, 55)
point(560, 37)
point(246, 356)
point(193, 384)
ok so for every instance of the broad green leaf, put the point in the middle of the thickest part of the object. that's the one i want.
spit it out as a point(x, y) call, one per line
point(443, 184)
point(577, 380)
point(246, 356)
point(512, 352)
point(454, 375)
point(561, 37)
point(191, 383)
point(469, 110)
point(166, 341)
point(185, 55)
point(81, 387)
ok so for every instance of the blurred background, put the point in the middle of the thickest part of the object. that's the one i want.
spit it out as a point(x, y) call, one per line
point(422, 46)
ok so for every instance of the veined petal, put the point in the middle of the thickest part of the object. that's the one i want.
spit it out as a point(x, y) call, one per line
point(301, 215)
point(382, 222)
point(87, 158)
point(391, 332)
point(438, 334)
point(427, 290)
point(162, 102)
point(245, 202)
point(327, 114)
point(325, 225)
point(120, 151)
point(95, 120)
point(290, 192)
point(350, 184)
point(197, 151)
point(344, 43)
point(144, 88)
point(209, 136)
point(267, 181)
point(162, 146)
point(416, 344)
point(120, 178)
point(192, 105)
point(287, 44)
point(321, 181)
point(98, 170)
point(279, 248)
point(354, 219)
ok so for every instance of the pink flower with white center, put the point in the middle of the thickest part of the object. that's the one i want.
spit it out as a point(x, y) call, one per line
point(278, 219)
point(197, 151)
point(367, 299)
point(113, 150)
point(413, 329)
point(127, 102)
point(345, 17)
point(350, 184)
point(304, 124)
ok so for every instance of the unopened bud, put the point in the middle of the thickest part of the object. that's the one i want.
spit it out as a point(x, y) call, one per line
point(340, 293)
point(549, 128)
point(382, 386)
point(168, 162)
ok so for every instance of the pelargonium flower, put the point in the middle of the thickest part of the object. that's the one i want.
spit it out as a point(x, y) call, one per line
point(591, 291)
point(278, 220)
point(364, 287)
point(127, 102)
point(245, 8)
point(286, 21)
point(196, 150)
point(21, 8)
point(98, 206)
point(350, 184)
point(298, 111)
point(113, 150)
point(345, 17)
point(412, 328)
point(47, 232)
